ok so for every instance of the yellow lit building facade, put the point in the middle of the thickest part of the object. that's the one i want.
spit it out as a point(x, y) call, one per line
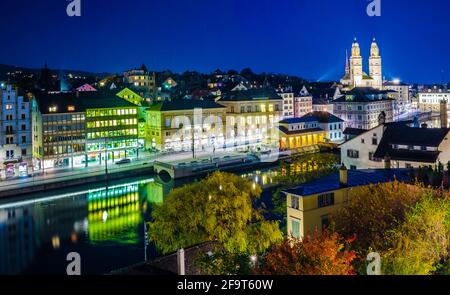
point(301, 135)
point(251, 116)
point(170, 125)
point(311, 205)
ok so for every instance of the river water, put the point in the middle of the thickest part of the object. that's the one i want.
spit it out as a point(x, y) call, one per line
point(104, 223)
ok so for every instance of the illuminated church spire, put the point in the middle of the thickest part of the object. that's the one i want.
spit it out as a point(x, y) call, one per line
point(375, 70)
point(356, 69)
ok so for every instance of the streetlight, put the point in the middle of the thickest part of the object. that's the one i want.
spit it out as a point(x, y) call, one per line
point(106, 158)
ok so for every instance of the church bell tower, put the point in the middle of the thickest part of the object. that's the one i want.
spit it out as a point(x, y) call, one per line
point(375, 66)
point(356, 68)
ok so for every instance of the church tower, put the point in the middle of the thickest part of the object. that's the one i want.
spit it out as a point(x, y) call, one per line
point(375, 66)
point(356, 68)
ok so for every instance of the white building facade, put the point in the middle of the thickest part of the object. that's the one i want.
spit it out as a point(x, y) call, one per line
point(15, 134)
point(397, 145)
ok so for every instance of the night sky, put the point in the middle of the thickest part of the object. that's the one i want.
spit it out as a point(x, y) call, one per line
point(307, 38)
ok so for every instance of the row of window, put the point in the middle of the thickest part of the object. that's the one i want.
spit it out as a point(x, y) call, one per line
point(10, 140)
point(10, 106)
point(9, 117)
point(125, 143)
point(64, 128)
point(9, 154)
point(411, 147)
point(323, 200)
point(58, 119)
point(111, 112)
point(111, 123)
point(10, 130)
point(369, 107)
point(112, 133)
point(257, 108)
point(53, 139)
point(64, 149)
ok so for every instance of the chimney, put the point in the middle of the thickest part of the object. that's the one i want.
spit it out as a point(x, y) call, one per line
point(343, 176)
point(181, 262)
point(387, 162)
point(443, 113)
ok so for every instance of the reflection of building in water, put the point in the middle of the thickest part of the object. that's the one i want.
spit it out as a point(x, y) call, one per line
point(16, 240)
point(299, 167)
point(56, 222)
point(27, 228)
point(155, 191)
point(264, 178)
point(113, 211)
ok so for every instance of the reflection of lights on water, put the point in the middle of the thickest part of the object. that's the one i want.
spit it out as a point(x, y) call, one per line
point(105, 215)
point(56, 243)
point(74, 237)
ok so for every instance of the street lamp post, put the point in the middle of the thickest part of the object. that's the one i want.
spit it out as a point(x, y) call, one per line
point(106, 158)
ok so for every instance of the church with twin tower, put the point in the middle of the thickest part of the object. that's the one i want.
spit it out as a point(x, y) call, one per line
point(354, 73)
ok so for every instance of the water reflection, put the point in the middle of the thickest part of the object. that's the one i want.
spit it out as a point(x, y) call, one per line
point(104, 224)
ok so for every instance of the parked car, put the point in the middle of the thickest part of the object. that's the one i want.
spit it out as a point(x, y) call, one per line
point(123, 161)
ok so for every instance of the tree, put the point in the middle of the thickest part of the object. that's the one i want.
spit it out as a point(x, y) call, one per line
point(421, 242)
point(224, 263)
point(218, 208)
point(317, 254)
point(373, 210)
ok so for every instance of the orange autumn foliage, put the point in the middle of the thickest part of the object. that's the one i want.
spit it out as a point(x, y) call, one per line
point(317, 254)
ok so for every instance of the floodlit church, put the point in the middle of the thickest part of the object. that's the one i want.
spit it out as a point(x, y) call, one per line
point(354, 73)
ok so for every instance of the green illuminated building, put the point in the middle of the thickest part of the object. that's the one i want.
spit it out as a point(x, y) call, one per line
point(112, 128)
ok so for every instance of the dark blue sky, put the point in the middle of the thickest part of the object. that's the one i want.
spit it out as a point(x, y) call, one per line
point(302, 37)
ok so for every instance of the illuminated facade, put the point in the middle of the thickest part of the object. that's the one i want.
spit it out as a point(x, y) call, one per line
point(364, 108)
point(301, 135)
point(16, 149)
point(354, 73)
point(112, 130)
point(172, 124)
point(76, 126)
point(142, 104)
point(430, 99)
point(251, 114)
point(142, 81)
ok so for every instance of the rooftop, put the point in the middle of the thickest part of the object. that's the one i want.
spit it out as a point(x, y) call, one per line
point(298, 120)
point(354, 131)
point(397, 134)
point(251, 94)
point(323, 117)
point(70, 102)
point(184, 104)
point(300, 131)
point(394, 83)
point(355, 178)
point(363, 94)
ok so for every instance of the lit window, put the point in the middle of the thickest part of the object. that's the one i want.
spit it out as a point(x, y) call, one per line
point(52, 109)
point(71, 108)
point(9, 106)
